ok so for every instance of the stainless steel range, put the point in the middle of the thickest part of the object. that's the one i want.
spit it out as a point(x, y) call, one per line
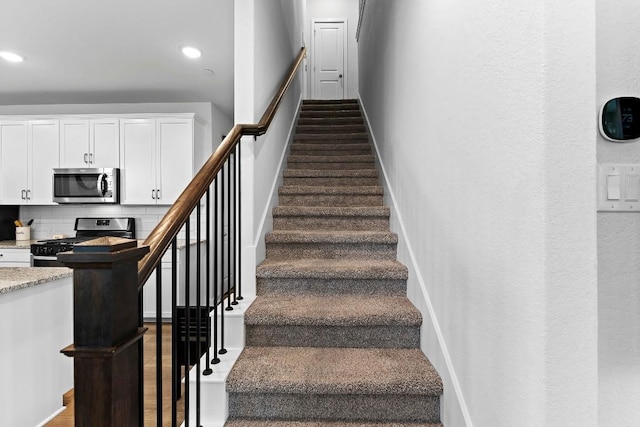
point(45, 252)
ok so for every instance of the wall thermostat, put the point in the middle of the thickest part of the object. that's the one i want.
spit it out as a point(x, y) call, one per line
point(620, 119)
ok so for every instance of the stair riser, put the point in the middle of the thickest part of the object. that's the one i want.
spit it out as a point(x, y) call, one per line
point(324, 121)
point(346, 287)
point(331, 182)
point(330, 101)
point(348, 407)
point(331, 152)
point(347, 138)
point(338, 200)
point(330, 165)
point(300, 146)
point(330, 107)
point(331, 250)
point(330, 129)
point(311, 114)
point(330, 223)
point(334, 336)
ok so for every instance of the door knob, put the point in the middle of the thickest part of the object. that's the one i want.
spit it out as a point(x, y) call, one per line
point(340, 76)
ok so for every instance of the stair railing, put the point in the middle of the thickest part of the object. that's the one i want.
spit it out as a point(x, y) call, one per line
point(109, 279)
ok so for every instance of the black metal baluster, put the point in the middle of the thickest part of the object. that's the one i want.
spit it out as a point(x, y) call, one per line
point(235, 227)
point(229, 273)
point(176, 391)
point(208, 370)
point(159, 344)
point(215, 359)
point(187, 329)
point(222, 349)
point(198, 314)
point(239, 160)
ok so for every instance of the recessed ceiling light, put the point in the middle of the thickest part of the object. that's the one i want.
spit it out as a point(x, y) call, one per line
point(10, 56)
point(191, 52)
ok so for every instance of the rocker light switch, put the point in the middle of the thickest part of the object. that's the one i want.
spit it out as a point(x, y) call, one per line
point(633, 188)
point(613, 187)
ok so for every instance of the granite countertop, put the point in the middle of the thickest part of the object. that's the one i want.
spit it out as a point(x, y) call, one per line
point(16, 278)
point(16, 244)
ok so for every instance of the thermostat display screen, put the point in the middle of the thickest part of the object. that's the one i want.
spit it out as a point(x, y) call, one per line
point(621, 119)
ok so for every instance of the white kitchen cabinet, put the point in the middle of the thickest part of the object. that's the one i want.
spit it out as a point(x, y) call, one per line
point(89, 143)
point(29, 151)
point(15, 257)
point(156, 159)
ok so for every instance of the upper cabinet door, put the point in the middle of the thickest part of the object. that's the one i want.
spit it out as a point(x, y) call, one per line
point(137, 162)
point(13, 162)
point(175, 162)
point(74, 143)
point(44, 153)
point(105, 143)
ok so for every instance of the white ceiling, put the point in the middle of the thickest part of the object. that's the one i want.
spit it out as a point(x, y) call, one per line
point(116, 51)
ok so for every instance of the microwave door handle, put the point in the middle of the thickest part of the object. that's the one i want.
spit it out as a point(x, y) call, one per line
point(102, 183)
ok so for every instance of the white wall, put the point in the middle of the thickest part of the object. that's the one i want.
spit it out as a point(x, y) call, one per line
point(482, 115)
point(618, 42)
point(268, 36)
point(335, 9)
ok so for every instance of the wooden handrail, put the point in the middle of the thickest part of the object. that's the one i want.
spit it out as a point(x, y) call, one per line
point(169, 227)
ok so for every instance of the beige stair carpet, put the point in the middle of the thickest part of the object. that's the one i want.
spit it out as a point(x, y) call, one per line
point(331, 339)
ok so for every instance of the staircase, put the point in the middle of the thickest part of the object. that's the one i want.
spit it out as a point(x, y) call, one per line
point(331, 339)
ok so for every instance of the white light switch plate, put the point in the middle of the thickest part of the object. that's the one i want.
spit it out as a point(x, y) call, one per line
point(618, 187)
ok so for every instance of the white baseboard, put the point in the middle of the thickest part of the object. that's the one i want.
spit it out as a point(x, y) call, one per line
point(422, 288)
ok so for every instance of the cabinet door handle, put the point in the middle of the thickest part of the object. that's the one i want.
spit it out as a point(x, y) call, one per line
point(24, 194)
point(153, 194)
point(28, 195)
point(90, 158)
point(85, 158)
point(158, 193)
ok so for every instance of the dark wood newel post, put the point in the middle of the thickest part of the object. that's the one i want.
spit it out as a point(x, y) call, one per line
point(106, 332)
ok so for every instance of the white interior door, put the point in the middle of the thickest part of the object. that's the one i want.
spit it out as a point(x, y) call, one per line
point(328, 60)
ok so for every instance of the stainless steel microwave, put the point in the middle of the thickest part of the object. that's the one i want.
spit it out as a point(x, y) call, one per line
point(92, 185)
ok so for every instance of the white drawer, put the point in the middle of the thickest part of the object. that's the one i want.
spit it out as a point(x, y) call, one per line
point(15, 255)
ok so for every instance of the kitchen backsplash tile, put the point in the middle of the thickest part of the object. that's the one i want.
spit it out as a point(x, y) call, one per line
point(60, 219)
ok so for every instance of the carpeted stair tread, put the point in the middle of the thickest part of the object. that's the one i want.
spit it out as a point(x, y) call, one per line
point(331, 173)
point(329, 101)
point(323, 268)
point(333, 371)
point(331, 128)
point(285, 423)
point(359, 136)
point(353, 120)
point(332, 236)
point(319, 114)
point(338, 148)
point(330, 107)
point(329, 211)
point(373, 218)
point(332, 311)
point(352, 158)
point(348, 190)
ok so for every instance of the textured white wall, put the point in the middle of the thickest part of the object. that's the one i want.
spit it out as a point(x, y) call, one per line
point(618, 43)
point(268, 37)
point(467, 103)
point(333, 9)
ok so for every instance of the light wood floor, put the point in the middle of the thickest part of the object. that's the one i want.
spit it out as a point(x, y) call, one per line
point(66, 418)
